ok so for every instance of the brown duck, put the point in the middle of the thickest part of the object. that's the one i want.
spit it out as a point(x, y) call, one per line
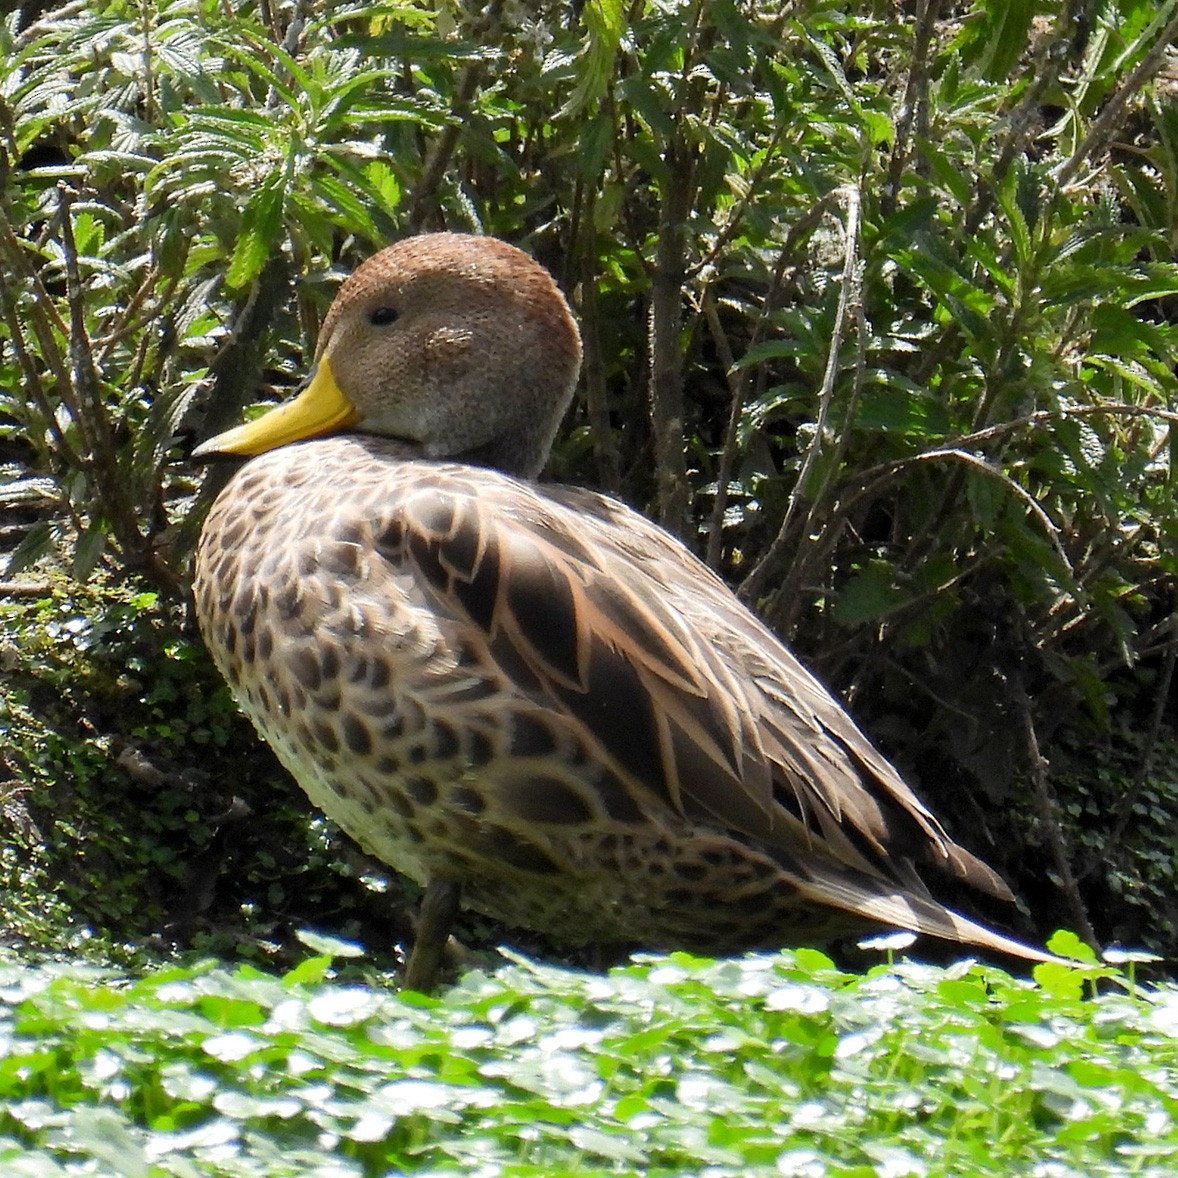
point(530, 699)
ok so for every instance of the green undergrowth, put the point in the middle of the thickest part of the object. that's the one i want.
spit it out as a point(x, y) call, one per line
point(139, 813)
point(778, 1065)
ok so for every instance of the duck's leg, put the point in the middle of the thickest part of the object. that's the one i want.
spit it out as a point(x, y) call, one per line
point(439, 906)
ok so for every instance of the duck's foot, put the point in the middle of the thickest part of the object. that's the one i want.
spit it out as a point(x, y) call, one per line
point(439, 907)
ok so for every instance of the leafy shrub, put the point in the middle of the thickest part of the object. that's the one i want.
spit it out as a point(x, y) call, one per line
point(888, 299)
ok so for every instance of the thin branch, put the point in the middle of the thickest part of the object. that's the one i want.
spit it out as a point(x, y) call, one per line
point(666, 347)
point(1047, 810)
point(47, 423)
point(1028, 500)
point(869, 479)
point(914, 106)
point(93, 420)
point(848, 292)
point(1107, 123)
point(146, 25)
point(128, 321)
point(25, 588)
point(735, 218)
point(1048, 65)
point(423, 207)
point(738, 381)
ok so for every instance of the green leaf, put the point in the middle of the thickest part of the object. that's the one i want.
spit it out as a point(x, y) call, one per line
point(90, 547)
point(892, 404)
point(649, 102)
point(930, 262)
point(987, 497)
point(1065, 943)
point(605, 22)
point(348, 211)
point(261, 223)
point(868, 595)
point(994, 43)
point(36, 543)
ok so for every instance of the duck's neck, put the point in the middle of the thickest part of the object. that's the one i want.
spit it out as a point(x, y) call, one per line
point(520, 457)
point(512, 457)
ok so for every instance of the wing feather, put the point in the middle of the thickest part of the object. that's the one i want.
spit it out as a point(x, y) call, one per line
point(594, 611)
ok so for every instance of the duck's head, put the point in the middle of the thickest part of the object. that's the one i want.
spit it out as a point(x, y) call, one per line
point(457, 346)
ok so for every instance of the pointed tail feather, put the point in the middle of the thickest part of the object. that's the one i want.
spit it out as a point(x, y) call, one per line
point(906, 911)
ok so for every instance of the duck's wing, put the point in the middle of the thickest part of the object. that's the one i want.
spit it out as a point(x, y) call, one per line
point(589, 607)
point(822, 768)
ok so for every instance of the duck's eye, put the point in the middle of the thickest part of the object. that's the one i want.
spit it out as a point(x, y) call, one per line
point(382, 316)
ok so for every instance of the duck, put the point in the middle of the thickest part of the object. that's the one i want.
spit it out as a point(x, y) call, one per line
point(528, 698)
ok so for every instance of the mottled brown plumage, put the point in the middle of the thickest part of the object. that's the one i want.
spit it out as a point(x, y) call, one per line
point(530, 695)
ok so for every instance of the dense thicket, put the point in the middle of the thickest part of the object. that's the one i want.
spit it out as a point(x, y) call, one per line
point(879, 311)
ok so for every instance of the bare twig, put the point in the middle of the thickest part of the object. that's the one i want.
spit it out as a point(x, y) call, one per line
point(785, 602)
point(666, 350)
point(870, 479)
point(423, 208)
point(1046, 809)
point(129, 320)
point(735, 217)
point(915, 103)
point(848, 293)
point(146, 24)
point(1021, 493)
point(738, 380)
point(1020, 123)
point(24, 588)
point(33, 382)
point(93, 419)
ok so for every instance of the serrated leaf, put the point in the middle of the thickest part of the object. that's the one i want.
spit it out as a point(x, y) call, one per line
point(349, 210)
point(987, 497)
point(994, 43)
point(605, 21)
point(260, 225)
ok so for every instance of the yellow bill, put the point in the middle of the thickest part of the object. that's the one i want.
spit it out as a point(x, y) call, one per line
point(319, 408)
